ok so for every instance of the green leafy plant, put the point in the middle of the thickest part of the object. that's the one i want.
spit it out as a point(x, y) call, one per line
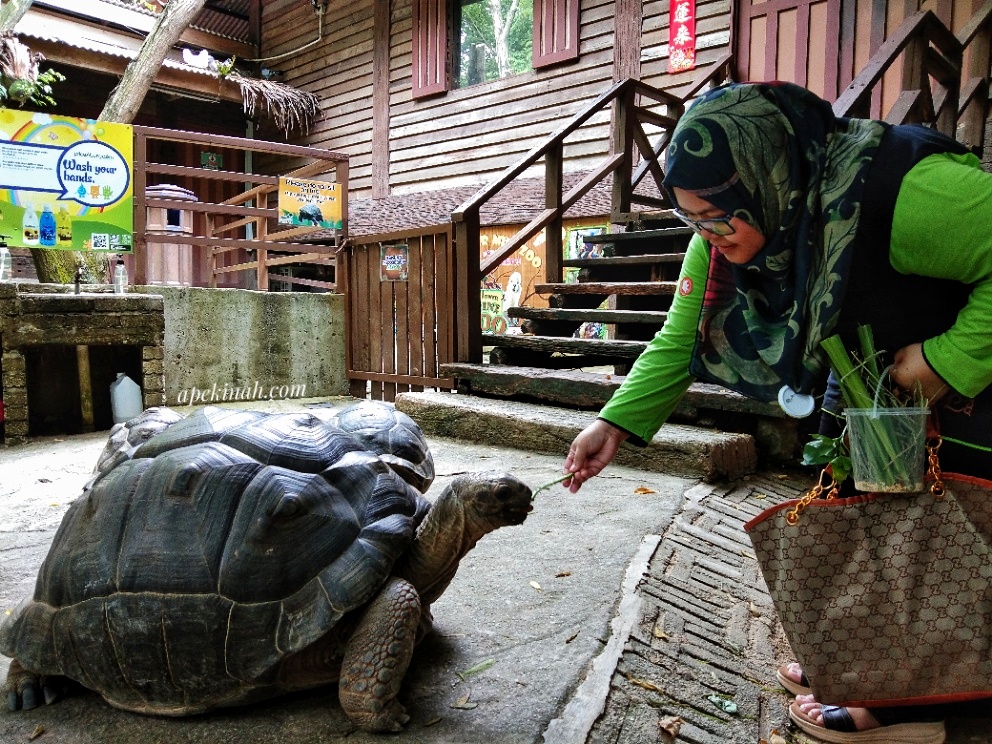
point(832, 451)
point(21, 80)
point(865, 385)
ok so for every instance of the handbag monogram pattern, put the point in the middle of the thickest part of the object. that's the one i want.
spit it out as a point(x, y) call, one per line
point(886, 599)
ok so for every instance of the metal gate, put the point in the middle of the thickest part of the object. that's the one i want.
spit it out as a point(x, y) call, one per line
point(399, 310)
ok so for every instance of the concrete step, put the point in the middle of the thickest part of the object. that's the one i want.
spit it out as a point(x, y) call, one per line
point(778, 437)
point(677, 449)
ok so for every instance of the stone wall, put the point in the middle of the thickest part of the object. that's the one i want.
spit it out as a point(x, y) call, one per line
point(249, 345)
point(36, 318)
point(196, 345)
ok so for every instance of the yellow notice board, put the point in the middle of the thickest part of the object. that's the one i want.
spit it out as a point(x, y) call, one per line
point(65, 183)
point(315, 203)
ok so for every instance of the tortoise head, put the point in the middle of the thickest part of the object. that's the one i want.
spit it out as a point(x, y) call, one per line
point(493, 500)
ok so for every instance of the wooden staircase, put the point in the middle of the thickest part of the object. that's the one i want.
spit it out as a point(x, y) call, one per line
point(635, 277)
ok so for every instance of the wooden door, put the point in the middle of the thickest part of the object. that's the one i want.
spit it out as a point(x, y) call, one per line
point(799, 41)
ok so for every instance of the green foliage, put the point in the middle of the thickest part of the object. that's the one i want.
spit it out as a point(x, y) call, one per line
point(864, 386)
point(478, 30)
point(832, 451)
point(38, 92)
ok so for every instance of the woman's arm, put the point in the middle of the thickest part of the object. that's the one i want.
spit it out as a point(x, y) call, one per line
point(656, 383)
point(942, 227)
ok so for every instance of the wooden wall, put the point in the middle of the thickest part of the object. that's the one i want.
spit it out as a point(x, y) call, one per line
point(864, 26)
point(466, 136)
point(338, 69)
point(712, 41)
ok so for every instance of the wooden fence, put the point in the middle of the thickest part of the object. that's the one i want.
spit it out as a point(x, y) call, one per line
point(235, 217)
point(400, 315)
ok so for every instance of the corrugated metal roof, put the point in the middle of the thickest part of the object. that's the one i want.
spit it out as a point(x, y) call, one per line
point(48, 26)
point(227, 18)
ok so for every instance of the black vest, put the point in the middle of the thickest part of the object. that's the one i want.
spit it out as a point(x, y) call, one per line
point(901, 309)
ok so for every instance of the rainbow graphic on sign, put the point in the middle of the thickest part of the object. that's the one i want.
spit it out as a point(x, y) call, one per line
point(65, 183)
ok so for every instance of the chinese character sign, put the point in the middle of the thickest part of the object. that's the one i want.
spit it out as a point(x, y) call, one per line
point(65, 183)
point(682, 35)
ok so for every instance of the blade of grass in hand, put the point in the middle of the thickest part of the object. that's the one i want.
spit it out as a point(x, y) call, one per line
point(546, 486)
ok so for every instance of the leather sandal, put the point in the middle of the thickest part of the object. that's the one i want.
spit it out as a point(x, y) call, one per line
point(839, 728)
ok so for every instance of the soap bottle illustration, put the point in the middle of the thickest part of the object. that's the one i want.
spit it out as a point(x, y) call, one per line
point(29, 226)
point(63, 223)
point(46, 226)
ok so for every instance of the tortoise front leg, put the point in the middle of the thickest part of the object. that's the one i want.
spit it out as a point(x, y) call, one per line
point(22, 685)
point(377, 656)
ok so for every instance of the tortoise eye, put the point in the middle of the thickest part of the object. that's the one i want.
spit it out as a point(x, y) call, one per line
point(288, 507)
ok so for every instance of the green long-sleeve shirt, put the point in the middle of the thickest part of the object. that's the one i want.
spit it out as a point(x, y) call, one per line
point(945, 200)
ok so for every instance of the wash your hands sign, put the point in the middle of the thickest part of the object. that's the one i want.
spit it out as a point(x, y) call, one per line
point(65, 182)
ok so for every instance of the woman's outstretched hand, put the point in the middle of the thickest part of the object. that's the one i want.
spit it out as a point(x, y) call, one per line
point(591, 451)
point(910, 367)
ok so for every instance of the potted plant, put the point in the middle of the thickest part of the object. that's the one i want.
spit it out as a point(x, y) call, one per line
point(885, 430)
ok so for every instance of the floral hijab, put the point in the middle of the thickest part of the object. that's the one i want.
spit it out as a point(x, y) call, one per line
point(774, 155)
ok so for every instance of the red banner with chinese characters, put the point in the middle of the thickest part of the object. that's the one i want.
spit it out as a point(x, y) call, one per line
point(682, 35)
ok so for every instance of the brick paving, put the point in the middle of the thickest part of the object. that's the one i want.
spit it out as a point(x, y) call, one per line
point(707, 633)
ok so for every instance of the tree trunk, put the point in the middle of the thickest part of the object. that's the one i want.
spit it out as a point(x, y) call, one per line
point(121, 108)
point(125, 100)
point(11, 12)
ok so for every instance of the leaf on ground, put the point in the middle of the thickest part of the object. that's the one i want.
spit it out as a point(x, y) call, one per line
point(754, 609)
point(463, 704)
point(777, 738)
point(659, 632)
point(644, 489)
point(433, 721)
point(572, 637)
point(480, 667)
point(645, 684)
point(562, 574)
point(671, 725)
point(535, 585)
point(36, 733)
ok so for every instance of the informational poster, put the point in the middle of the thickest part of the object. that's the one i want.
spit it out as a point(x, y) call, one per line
point(395, 266)
point(65, 183)
point(682, 35)
point(314, 203)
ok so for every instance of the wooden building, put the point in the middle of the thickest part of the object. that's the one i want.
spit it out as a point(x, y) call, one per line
point(388, 72)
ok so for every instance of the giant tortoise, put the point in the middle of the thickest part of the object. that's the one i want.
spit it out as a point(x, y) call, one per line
point(230, 556)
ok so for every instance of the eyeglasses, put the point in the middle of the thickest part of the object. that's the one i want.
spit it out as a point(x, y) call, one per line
point(715, 225)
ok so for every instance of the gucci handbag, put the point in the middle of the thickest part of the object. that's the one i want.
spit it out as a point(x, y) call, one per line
point(886, 598)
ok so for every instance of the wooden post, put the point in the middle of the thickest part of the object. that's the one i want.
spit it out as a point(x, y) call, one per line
point(262, 257)
point(85, 386)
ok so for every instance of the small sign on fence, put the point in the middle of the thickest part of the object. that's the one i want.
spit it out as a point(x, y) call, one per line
point(395, 265)
point(65, 183)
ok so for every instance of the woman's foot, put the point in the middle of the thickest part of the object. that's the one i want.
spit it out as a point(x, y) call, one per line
point(861, 717)
point(791, 677)
point(858, 726)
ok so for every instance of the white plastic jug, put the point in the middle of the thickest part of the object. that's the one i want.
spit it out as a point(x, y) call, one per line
point(125, 398)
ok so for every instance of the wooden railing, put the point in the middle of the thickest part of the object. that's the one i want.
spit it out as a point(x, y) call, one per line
point(635, 105)
point(243, 226)
point(934, 89)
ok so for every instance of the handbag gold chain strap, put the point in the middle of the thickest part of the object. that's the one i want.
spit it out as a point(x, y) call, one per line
point(830, 487)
